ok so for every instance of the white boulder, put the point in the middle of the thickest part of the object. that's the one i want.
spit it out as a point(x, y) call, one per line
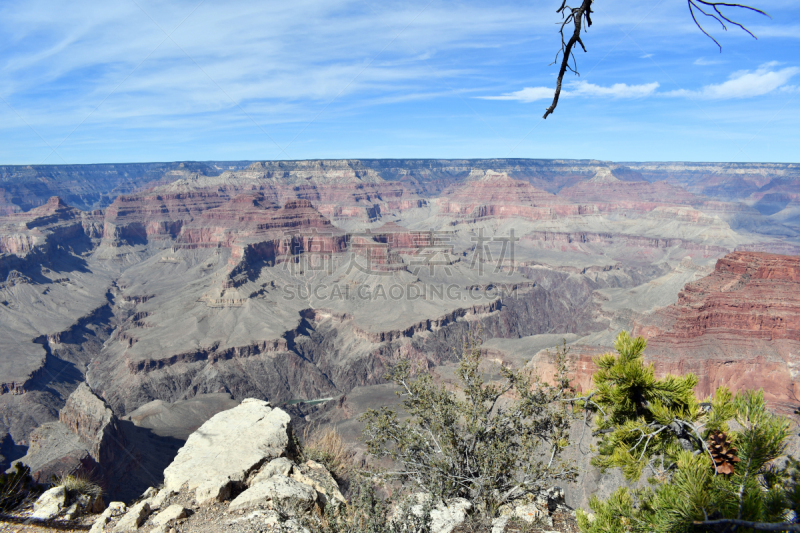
point(134, 518)
point(50, 504)
point(171, 513)
point(228, 448)
point(278, 492)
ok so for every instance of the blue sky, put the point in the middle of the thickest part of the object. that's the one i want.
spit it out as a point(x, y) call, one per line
point(140, 80)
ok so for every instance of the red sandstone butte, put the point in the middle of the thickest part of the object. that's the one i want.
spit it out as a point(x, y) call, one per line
point(738, 327)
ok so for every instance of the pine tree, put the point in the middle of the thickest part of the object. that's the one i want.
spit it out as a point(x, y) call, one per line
point(716, 465)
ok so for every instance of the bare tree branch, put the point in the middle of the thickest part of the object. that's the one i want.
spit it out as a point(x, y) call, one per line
point(758, 526)
point(574, 15)
point(719, 16)
point(578, 15)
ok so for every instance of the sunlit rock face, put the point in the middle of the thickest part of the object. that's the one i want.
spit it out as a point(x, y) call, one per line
point(303, 280)
point(738, 327)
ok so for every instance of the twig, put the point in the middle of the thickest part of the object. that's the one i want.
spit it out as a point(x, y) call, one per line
point(759, 526)
point(713, 9)
point(719, 16)
point(576, 17)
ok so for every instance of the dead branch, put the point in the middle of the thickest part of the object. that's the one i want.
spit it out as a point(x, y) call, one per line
point(719, 11)
point(758, 526)
point(715, 12)
point(576, 16)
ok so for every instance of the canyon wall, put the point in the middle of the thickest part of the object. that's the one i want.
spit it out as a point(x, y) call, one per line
point(304, 280)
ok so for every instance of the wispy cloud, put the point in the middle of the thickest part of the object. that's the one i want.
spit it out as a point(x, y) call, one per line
point(328, 77)
point(618, 90)
point(580, 88)
point(528, 94)
point(703, 62)
point(743, 84)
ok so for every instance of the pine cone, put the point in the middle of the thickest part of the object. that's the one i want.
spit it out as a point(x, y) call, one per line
point(724, 455)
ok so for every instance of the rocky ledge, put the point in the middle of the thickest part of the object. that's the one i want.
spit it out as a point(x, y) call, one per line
point(241, 471)
point(86, 437)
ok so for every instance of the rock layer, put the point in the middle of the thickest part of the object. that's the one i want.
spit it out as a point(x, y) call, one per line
point(302, 280)
point(738, 327)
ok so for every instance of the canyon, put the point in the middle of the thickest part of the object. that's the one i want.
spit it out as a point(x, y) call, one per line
point(149, 294)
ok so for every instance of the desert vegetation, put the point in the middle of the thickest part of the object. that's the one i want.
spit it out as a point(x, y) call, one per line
point(491, 443)
point(713, 465)
point(483, 454)
point(15, 487)
point(79, 485)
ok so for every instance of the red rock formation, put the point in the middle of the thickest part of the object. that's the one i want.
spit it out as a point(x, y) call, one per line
point(738, 327)
point(605, 188)
point(20, 233)
point(749, 294)
point(493, 194)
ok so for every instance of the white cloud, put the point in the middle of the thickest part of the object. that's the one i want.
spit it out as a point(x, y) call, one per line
point(580, 88)
point(703, 62)
point(238, 52)
point(646, 56)
point(528, 94)
point(618, 90)
point(743, 84)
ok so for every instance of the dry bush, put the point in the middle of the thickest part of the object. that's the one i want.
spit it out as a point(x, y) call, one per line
point(79, 484)
point(327, 448)
point(16, 486)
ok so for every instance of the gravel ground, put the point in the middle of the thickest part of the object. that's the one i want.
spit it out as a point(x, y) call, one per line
point(21, 523)
point(215, 518)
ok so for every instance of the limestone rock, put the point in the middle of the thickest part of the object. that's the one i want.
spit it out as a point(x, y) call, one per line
point(50, 504)
point(149, 493)
point(73, 512)
point(499, 524)
point(283, 493)
point(277, 467)
point(90, 504)
point(293, 526)
point(225, 450)
point(529, 512)
point(134, 518)
point(113, 509)
point(446, 516)
point(173, 512)
point(317, 477)
point(265, 517)
point(158, 500)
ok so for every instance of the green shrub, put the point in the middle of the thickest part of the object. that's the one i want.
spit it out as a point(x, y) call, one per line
point(491, 443)
point(707, 473)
